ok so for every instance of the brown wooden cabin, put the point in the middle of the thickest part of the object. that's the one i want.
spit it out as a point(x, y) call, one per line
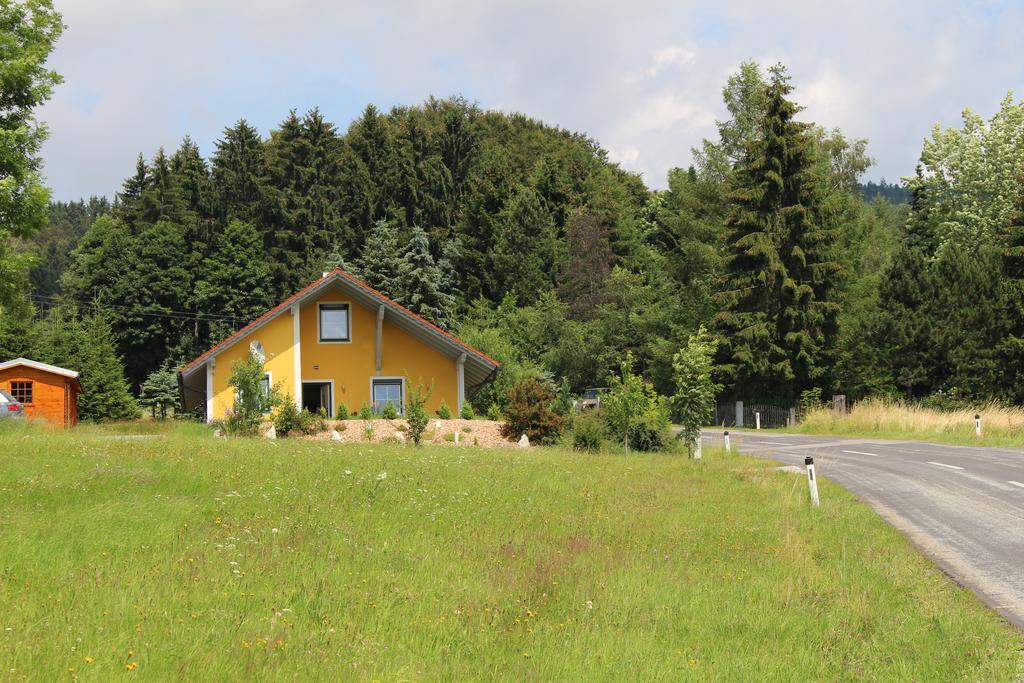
point(47, 392)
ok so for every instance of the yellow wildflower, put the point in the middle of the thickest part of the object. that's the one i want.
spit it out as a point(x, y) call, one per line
point(88, 659)
point(131, 666)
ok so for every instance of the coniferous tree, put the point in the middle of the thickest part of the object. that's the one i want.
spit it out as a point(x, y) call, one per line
point(239, 170)
point(161, 198)
point(235, 285)
point(778, 324)
point(420, 282)
point(588, 264)
point(86, 346)
point(380, 259)
point(905, 295)
point(525, 252)
point(150, 322)
point(127, 206)
point(160, 392)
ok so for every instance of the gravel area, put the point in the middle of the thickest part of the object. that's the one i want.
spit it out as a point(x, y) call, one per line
point(485, 433)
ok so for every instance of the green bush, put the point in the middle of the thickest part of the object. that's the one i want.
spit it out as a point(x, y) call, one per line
point(287, 419)
point(531, 412)
point(467, 411)
point(416, 413)
point(312, 423)
point(365, 412)
point(633, 410)
point(494, 413)
point(444, 412)
point(389, 412)
point(252, 400)
point(588, 431)
point(649, 432)
point(342, 413)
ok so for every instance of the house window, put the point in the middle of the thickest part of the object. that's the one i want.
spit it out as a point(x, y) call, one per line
point(22, 391)
point(387, 391)
point(334, 323)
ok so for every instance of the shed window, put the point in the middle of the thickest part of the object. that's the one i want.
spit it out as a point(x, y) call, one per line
point(22, 391)
point(334, 321)
point(387, 391)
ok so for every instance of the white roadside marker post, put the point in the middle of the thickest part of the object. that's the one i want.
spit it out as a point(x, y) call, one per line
point(977, 424)
point(696, 450)
point(456, 438)
point(726, 438)
point(812, 482)
point(757, 420)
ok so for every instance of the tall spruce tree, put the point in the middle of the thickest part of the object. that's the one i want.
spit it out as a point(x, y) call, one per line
point(380, 259)
point(239, 170)
point(235, 281)
point(420, 286)
point(777, 326)
point(525, 251)
point(85, 344)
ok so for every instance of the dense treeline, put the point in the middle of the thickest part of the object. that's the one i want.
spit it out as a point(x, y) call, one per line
point(528, 242)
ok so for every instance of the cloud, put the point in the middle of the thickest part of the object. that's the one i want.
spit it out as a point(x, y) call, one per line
point(643, 78)
point(669, 57)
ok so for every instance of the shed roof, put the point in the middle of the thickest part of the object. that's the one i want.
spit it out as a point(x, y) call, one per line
point(36, 365)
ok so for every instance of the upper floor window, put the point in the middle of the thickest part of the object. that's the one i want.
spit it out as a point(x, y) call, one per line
point(334, 323)
point(22, 391)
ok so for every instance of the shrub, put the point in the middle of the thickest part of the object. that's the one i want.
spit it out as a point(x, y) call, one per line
point(312, 423)
point(253, 399)
point(530, 412)
point(389, 412)
point(588, 431)
point(810, 400)
point(494, 413)
point(287, 419)
point(467, 411)
point(564, 399)
point(444, 412)
point(416, 413)
point(649, 432)
point(631, 400)
point(365, 412)
point(342, 413)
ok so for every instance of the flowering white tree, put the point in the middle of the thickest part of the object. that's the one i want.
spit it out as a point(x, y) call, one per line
point(970, 176)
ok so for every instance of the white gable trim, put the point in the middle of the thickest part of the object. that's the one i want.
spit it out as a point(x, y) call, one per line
point(45, 367)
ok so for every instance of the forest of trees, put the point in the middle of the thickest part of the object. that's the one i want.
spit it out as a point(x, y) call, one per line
point(529, 243)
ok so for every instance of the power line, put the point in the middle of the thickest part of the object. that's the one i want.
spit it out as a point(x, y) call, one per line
point(55, 302)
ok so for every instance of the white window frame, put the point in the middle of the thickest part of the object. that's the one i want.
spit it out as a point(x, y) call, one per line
point(389, 380)
point(319, 334)
point(330, 413)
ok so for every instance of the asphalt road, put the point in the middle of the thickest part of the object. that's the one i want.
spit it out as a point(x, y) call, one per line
point(961, 505)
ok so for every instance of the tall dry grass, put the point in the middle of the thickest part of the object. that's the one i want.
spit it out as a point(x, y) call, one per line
point(896, 418)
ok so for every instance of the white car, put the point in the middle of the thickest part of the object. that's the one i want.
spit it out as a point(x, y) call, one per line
point(9, 408)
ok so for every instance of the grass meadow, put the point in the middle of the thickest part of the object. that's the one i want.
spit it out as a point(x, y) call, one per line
point(1001, 425)
point(170, 555)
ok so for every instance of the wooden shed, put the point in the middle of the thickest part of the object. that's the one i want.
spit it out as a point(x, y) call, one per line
point(48, 392)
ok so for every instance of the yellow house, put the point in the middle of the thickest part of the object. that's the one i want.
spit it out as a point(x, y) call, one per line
point(338, 340)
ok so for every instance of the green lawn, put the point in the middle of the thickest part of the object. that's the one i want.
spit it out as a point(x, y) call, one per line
point(180, 556)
